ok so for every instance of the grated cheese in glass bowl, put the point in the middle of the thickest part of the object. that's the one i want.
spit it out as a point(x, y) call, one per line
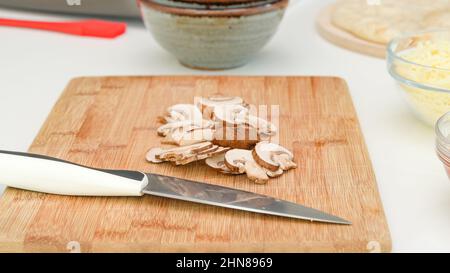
point(420, 63)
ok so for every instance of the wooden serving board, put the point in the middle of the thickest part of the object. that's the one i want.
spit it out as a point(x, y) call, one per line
point(346, 39)
point(110, 122)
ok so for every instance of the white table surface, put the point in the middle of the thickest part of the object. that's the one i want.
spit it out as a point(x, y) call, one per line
point(35, 67)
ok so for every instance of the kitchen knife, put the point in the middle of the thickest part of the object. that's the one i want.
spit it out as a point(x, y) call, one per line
point(55, 176)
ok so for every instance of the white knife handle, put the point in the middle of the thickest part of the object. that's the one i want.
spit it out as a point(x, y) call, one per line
point(50, 175)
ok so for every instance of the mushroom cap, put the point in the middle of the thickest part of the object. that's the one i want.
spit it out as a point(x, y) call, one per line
point(264, 155)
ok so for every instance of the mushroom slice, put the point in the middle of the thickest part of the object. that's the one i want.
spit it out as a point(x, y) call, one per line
point(285, 161)
point(235, 159)
point(214, 150)
point(274, 174)
point(167, 128)
point(196, 136)
point(181, 138)
point(230, 115)
point(186, 125)
point(262, 125)
point(152, 155)
point(212, 102)
point(174, 116)
point(221, 150)
point(186, 160)
point(217, 162)
point(241, 137)
point(180, 112)
point(201, 147)
point(176, 152)
point(209, 150)
point(255, 173)
point(273, 156)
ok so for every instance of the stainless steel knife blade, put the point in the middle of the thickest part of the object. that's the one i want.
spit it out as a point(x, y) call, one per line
point(186, 190)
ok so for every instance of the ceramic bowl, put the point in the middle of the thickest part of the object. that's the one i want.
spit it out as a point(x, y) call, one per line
point(216, 1)
point(214, 5)
point(212, 39)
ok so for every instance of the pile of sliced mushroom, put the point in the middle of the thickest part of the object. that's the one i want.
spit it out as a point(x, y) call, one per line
point(224, 132)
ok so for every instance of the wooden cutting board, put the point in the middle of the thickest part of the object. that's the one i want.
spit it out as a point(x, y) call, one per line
point(110, 122)
point(346, 39)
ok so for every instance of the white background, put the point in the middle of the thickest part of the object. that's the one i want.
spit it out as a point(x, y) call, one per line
point(35, 67)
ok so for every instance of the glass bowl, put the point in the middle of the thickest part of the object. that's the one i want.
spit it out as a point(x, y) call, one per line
point(424, 83)
point(443, 141)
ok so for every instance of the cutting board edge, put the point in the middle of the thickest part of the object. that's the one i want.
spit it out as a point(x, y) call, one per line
point(377, 246)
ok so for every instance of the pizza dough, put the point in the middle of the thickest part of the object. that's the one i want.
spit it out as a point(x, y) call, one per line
point(439, 19)
point(381, 20)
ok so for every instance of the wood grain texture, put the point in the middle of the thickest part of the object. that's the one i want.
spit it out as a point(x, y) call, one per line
point(111, 122)
point(346, 39)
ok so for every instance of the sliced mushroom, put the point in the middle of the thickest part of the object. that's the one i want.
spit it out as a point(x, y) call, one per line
point(230, 115)
point(273, 156)
point(263, 126)
point(217, 162)
point(209, 150)
point(213, 151)
point(152, 155)
point(285, 161)
point(198, 148)
point(196, 136)
point(274, 174)
point(241, 161)
point(176, 152)
point(181, 138)
point(212, 102)
point(174, 116)
point(235, 159)
point(221, 150)
point(241, 137)
point(255, 173)
point(181, 112)
point(186, 125)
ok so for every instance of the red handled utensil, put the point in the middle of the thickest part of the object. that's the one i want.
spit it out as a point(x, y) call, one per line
point(91, 27)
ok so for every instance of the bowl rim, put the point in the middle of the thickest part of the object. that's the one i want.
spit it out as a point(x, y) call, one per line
point(438, 129)
point(214, 5)
point(392, 56)
point(237, 12)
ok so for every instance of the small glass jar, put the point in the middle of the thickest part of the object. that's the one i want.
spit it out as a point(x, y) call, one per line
point(443, 141)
